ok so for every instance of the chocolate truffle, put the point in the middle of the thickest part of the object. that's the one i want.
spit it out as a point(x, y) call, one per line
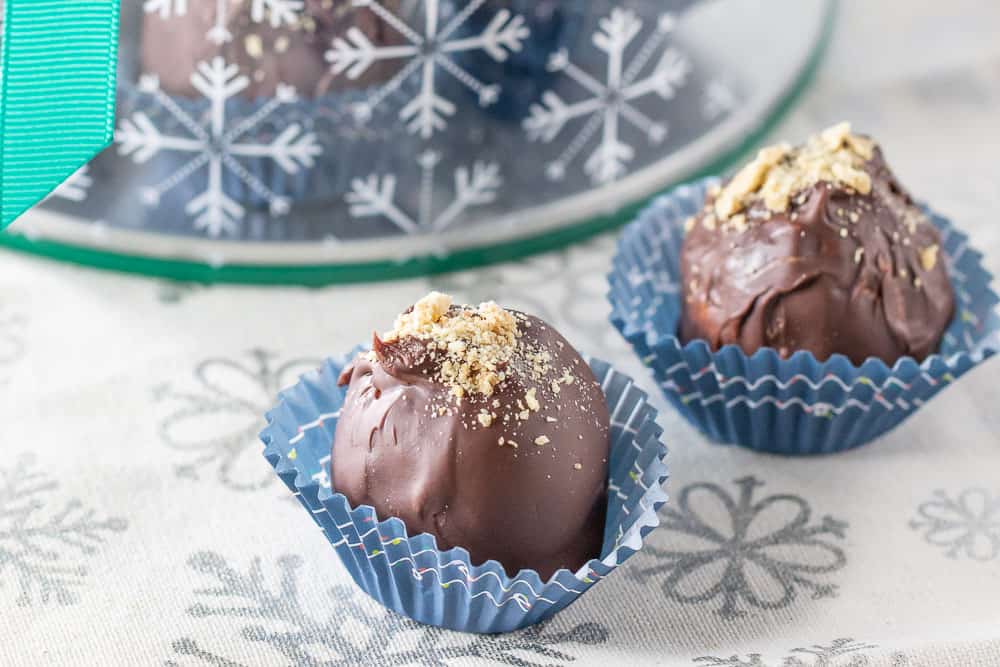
point(270, 53)
point(483, 427)
point(819, 248)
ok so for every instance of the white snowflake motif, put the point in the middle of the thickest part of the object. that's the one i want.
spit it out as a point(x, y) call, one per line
point(375, 195)
point(216, 144)
point(718, 100)
point(426, 52)
point(610, 102)
point(75, 187)
point(276, 12)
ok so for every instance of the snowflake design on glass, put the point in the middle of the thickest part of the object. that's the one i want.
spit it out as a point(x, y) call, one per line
point(611, 102)
point(217, 423)
point(743, 551)
point(718, 100)
point(843, 652)
point(428, 52)
point(75, 187)
point(357, 631)
point(967, 526)
point(216, 145)
point(375, 196)
point(275, 12)
point(40, 546)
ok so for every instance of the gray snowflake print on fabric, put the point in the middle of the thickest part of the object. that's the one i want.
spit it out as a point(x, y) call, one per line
point(356, 631)
point(966, 526)
point(742, 552)
point(214, 422)
point(11, 341)
point(839, 653)
point(44, 540)
point(171, 293)
point(566, 289)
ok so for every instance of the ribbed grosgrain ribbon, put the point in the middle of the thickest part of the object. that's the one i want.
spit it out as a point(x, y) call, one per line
point(57, 94)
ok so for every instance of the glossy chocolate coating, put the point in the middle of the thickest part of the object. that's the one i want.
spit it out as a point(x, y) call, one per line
point(838, 272)
point(293, 55)
point(532, 506)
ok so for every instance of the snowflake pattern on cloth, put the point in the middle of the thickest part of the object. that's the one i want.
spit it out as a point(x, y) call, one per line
point(357, 630)
point(611, 102)
point(574, 284)
point(842, 652)
point(42, 545)
point(11, 341)
point(216, 424)
point(172, 292)
point(217, 144)
point(742, 551)
point(967, 526)
point(275, 12)
point(429, 52)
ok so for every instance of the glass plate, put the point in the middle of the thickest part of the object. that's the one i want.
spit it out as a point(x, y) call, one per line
point(560, 134)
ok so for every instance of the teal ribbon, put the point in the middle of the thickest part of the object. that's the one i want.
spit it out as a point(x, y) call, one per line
point(57, 94)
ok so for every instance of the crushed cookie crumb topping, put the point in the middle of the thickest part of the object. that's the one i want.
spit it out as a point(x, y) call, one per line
point(473, 352)
point(531, 401)
point(472, 343)
point(928, 257)
point(780, 172)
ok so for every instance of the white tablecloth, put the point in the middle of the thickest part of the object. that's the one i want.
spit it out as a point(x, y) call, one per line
point(139, 524)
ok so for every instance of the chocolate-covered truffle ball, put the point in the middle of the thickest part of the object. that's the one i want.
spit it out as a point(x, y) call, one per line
point(819, 248)
point(269, 52)
point(483, 427)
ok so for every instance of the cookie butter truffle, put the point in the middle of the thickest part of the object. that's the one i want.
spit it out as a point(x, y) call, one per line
point(482, 426)
point(819, 248)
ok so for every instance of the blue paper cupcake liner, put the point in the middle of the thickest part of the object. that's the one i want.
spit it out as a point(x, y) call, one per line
point(785, 406)
point(409, 574)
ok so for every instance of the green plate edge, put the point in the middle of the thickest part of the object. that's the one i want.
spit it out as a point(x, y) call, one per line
point(319, 275)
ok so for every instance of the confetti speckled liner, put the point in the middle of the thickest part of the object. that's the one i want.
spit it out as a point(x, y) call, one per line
point(408, 574)
point(784, 406)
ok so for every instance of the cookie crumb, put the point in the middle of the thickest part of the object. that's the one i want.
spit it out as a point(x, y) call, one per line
point(928, 257)
point(780, 172)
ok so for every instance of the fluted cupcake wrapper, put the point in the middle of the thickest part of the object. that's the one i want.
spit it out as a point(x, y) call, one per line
point(797, 405)
point(409, 574)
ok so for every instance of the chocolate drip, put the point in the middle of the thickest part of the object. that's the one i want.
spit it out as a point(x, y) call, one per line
point(837, 272)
